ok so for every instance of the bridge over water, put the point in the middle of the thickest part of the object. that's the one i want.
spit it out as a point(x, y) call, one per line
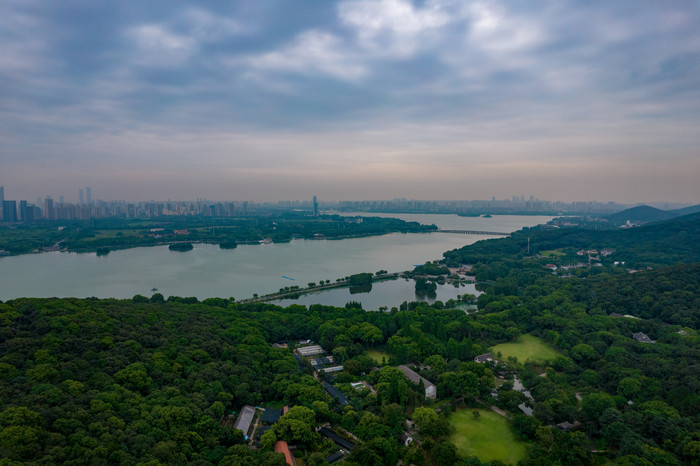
point(474, 232)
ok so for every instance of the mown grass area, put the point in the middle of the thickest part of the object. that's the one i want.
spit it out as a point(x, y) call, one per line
point(377, 355)
point(553, 252)
point(487, 437)
point(526, 348)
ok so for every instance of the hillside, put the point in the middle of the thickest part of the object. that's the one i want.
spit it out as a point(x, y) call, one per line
point(661, 243)
point(687, 210)
point(641, 214)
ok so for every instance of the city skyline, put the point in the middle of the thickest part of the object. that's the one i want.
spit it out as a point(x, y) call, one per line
point(352, 100)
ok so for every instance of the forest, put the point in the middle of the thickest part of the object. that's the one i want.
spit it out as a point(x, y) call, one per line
point(106, 234)
point(152, 380)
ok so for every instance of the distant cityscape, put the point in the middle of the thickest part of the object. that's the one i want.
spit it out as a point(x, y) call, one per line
point(87, 207)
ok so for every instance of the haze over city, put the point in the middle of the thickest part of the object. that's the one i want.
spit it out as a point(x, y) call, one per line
point(351, 100)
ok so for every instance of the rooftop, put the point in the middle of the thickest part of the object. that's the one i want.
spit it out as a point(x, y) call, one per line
point(245, 418)
point(430, 390)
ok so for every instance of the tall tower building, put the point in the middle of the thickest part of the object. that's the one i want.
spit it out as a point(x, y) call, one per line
point(315, 207)
point(88, 195)
point(9, 211)
point(2, 199)
point(49, 211)
point(81, 197)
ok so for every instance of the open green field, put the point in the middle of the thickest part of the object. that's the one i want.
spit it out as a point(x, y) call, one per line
point(488, 437)
point(377, 355)
point(553, 252)
point(527, 348)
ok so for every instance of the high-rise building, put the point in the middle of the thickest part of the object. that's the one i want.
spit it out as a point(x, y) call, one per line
point(81, 197)
point(315, 207)
point(49, 211)
point(26, 212)
point(88, 195)
point(2, 199)
point(9, 211)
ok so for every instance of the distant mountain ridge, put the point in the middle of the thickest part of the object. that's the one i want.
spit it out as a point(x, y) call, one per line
point(645, 214)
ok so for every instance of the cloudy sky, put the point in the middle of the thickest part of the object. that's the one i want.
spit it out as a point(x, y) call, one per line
point(350, 99)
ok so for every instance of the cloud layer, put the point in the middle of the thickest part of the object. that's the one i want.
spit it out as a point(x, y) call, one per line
point(351, 99)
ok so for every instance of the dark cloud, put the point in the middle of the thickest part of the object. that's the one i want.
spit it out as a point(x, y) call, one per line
point(392, 83)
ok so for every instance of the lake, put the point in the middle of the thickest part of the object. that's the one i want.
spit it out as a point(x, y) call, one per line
point(208, 271)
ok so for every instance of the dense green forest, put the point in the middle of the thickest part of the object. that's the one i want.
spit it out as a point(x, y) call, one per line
point(153, 381)
point(121, 233)
point(147, 380)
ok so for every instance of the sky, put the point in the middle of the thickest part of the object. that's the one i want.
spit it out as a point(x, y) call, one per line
point(350, 99)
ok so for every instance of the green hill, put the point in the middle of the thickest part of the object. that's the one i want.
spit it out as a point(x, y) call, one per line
point(641, 214)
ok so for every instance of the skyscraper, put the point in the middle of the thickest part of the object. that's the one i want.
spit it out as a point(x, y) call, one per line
point(49, 211)
point(9, 211)
point(81, 197)
point(88, 195)
point(315, 207)
point(2, 199)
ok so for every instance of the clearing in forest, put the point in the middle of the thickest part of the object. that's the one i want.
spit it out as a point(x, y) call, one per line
point(487, 437)
point(377, 355)
point(526, 348)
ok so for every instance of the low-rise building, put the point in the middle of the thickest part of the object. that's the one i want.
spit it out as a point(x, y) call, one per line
point(642, 338)
point(310, 350)
point(483, 358)
point(430, 389)
point(245, 419)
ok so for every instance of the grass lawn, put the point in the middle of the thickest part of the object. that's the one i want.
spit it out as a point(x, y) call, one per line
point(489, 437)
point(527, 348)
point(553, 252)
point(377, 355)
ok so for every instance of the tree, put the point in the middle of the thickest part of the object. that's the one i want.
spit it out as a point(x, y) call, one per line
point(297, 426)
point(268, 440)
point(629, 388)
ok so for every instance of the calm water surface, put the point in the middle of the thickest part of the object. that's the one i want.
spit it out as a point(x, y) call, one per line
point(208, 271)
point(390, 293)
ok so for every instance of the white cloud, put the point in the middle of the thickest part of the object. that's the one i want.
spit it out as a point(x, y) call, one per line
point(392, 27)
point(313, 52)
point(496, 30)
point(158, 46)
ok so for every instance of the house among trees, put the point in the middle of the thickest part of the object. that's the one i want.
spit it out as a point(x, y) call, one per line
point(337, 439)
point(642, 338)
point(310, 350)
point(335, 393)
point(484, 358)
point(271, 415)
point(282, 447)
point(430, 389)
point(245, 419)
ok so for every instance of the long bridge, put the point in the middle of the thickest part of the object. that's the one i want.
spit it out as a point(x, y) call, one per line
point(473, 232)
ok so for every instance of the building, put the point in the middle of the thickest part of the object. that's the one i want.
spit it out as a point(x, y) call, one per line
point(318, 363)
point(245, 419)
point(483, 358)
point(9, 211)
point(642, 338)
point(282, 447)
point(337, 439)
point(271, 415)
point(315, 207)
point(335, 393)
point(310, 350)
point(337, 456)
point(430, 389)
point(49, 211)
